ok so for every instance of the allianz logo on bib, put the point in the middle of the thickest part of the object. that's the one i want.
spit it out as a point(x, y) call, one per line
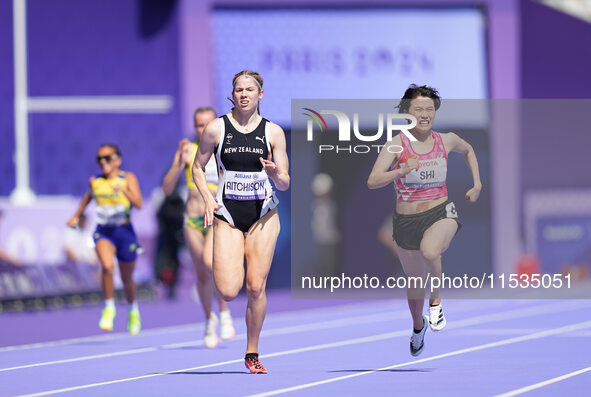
point(344, 134)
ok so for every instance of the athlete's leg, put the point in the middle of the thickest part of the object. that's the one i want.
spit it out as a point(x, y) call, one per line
point(126, 270)
point(227, 330)
point(414, 267)
point(259, 250)
point(106, 254)
point(228, 259)
point(208, 262)
point(435, 242)
point(195, 243)
point(134, 323)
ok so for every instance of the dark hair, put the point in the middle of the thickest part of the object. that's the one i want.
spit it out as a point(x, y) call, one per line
point(112, 146)
point(414, 91)
point(203, 109)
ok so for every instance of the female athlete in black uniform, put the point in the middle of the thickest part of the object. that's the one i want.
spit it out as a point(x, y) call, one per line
point(250, 151)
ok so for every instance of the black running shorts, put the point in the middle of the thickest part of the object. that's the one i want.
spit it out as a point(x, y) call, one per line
point(408, 230)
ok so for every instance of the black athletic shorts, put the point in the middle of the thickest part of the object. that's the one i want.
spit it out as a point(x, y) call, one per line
point(244, 213)
point(408, 230)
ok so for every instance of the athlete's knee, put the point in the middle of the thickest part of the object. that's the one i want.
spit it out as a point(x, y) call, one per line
point(255, 288)
point(108, 268)
point(229, 297)
point(126, 279)
point(228, 293)
point(431, 254)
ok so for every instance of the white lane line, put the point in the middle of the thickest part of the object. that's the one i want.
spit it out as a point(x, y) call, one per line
point(183, 327)
point(537, 335)
point(518, 331)
point(344, 322)
point(276, 354)
point(110, 336)
point(544, 383)
point(101, 104)
point(520, 313)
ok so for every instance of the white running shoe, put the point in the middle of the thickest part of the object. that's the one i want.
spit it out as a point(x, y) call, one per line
point(210, 339)
point(227, 330)
point(437, 320)
point(417, 341)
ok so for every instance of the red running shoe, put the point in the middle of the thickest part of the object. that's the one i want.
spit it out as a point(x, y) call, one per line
point(251, 361)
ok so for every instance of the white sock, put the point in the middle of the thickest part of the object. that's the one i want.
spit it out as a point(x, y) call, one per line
point(225, 314)
point(110, 303)
point(133, 306)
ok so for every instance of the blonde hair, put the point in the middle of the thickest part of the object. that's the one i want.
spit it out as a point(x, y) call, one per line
point(253, 75)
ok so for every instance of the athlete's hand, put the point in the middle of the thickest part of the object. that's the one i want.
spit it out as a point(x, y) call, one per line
point(269, 166)
point(473, 194)
point(118, 187)
point(411, 164)
point(210, 207)
point(73, 222)
point(185, 153)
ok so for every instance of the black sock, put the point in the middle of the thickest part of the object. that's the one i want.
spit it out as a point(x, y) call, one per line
point(419, 330)
point(251, 356)
point(431, 305)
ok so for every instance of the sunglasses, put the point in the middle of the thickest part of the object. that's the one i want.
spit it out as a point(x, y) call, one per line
point(108, 158)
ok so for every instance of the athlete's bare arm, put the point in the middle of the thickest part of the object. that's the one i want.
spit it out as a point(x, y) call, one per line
point(73, 221)
point(179, 163)
point(132, 191)
point(207, 144)
point(381, 174)
point(456, 144)
point(277, 166)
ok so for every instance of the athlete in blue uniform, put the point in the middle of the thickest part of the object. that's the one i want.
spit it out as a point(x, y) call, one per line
point(115, 192)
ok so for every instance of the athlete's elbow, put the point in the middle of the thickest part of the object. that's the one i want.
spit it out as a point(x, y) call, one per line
point(284, 185)
point(468, 150)
point(139, 204)
point(371, 183)
point(167, 189)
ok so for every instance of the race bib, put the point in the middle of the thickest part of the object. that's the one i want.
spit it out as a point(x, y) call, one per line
point(111, 214)
point(245, 185)
point(431, 173)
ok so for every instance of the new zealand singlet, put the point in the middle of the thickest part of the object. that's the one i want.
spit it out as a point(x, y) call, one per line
point(245, 193)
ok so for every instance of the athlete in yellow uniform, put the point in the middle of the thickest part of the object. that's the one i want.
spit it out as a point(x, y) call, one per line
point(115, 193)
point(199, 242)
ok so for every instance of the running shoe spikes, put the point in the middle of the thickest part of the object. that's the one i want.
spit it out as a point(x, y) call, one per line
point(251, 361)
point(437, 320)
point(417, 340)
